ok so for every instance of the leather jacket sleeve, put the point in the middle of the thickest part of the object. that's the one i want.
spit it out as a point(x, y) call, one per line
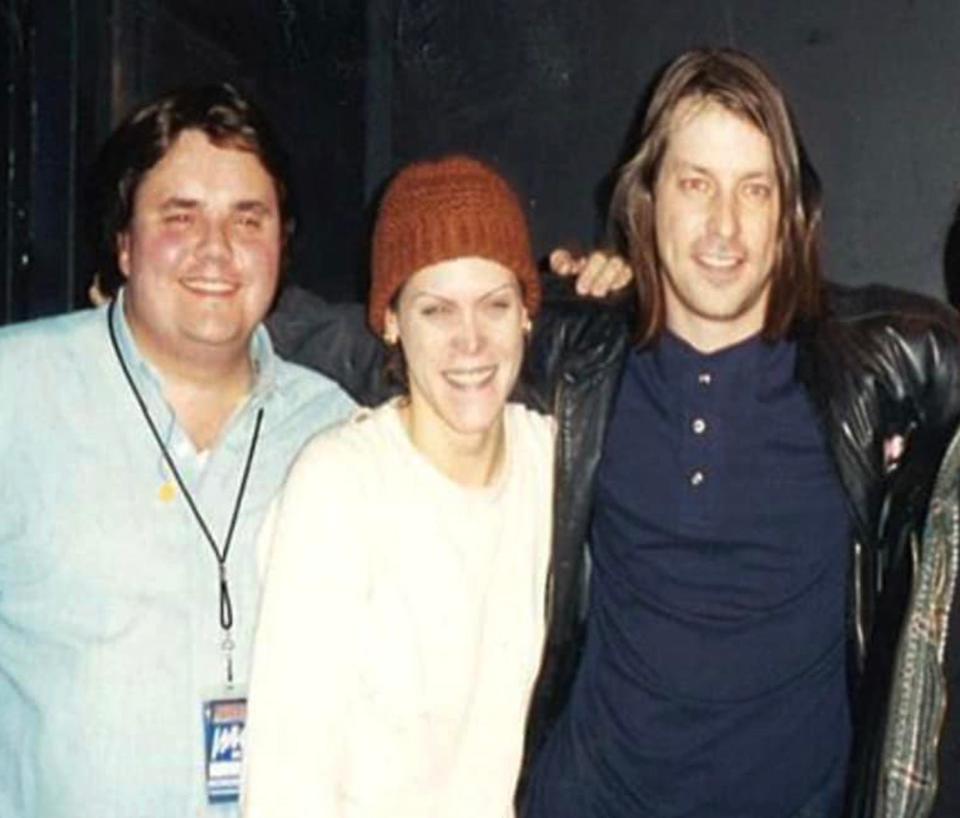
point(885, 363)
point(333, 339)
point(889, 364)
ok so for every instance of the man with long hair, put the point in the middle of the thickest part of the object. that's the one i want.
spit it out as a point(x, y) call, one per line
point(772, 559)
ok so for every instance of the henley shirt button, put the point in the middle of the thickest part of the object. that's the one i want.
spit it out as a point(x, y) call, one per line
point(699, 426)
point(697, 478)
point(704, 379)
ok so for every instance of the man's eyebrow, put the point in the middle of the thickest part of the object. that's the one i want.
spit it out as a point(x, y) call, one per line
point(685, 164)
point(252, 206)
point(758, 173)
point(179, 203)
point(243, 206)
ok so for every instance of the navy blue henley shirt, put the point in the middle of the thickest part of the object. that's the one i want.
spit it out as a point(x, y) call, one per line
point(713, 682)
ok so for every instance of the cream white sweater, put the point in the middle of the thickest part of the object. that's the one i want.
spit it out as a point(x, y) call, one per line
point(401, 628)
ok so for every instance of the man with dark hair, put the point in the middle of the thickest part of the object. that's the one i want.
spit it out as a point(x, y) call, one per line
point(772, 550)
point(141, 445)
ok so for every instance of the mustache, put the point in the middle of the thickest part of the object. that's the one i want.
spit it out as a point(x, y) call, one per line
point(714, 245)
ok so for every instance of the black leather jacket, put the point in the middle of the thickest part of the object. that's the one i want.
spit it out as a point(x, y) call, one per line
point(882, 363)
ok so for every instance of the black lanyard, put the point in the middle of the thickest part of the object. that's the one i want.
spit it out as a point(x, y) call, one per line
point(226, 606)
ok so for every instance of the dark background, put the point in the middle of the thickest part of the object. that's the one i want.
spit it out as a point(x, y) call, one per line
point(547, 89)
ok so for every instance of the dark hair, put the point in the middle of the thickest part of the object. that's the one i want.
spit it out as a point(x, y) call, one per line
point(737, 83)
point(222, 113)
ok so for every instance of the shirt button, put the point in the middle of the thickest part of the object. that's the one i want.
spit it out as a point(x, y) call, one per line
point(697, 478)
point(704, 379)
point(699, 426)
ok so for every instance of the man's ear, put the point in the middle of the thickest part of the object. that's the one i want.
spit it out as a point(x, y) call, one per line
point(123, 253)
point(525, 323)
point(391, 327)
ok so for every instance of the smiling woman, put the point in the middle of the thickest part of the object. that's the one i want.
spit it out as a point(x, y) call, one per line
point(461, 325)
point(402, 624)
point(454, 286)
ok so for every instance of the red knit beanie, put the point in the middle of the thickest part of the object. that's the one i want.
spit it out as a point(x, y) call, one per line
point(442, 210)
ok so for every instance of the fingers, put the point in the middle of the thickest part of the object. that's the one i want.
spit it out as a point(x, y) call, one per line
point(565, 263)
point(97, 296)
point(893, 449)
point(621, 273)
point(598, 274)
point(602, 274)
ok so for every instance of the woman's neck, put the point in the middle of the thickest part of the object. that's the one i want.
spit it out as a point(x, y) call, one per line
point(472, 460)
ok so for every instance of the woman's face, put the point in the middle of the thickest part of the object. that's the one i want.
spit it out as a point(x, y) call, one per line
point(461, 325)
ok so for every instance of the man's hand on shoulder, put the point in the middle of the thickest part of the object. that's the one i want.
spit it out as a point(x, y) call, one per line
point(598, 274)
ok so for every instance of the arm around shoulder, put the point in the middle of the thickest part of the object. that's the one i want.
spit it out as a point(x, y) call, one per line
point(574, 336)
point(333, 339)
point(916, 343)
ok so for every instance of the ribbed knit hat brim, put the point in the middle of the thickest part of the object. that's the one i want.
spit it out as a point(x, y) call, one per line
point(450, 208)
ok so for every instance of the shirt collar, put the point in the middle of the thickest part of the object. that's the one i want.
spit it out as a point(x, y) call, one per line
point(261, 354)
point(752, 366)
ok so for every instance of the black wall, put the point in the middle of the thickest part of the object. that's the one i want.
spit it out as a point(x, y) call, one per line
point(547, 89)
point(74, 68)
point(550, 89)
point(51, 117)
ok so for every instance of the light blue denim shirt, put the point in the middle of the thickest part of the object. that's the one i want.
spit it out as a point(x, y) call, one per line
point(109, 619)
